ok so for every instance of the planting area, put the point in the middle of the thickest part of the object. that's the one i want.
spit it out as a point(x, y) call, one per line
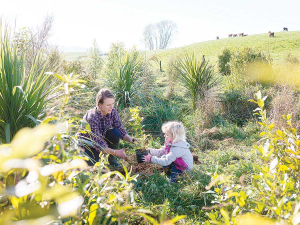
point(240, 111)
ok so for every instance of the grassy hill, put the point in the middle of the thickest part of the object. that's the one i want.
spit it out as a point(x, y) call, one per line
point(278, 47)
point(72, 56)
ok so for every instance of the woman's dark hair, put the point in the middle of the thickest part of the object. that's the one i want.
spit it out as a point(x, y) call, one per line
point(103, 94)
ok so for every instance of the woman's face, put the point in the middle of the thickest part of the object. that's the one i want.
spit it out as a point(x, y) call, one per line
point(107, 106)
point(168, 136)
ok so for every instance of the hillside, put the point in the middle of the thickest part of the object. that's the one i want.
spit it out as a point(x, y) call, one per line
point(278, 47)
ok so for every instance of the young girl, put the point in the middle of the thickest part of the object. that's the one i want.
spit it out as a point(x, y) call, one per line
point(175, 154)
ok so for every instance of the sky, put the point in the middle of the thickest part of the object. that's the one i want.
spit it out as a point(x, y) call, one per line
point(79, 23)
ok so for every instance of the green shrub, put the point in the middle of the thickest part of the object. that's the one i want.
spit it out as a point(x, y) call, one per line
point(94, 63)
point(224, 62)
point(233, 131)
point(236, 107)
point(274, 193)
point(240, 62)
point(242, 57)
point(157, 111)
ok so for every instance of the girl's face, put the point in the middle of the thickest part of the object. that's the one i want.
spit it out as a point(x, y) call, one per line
point(168, 136)
point(107, 106)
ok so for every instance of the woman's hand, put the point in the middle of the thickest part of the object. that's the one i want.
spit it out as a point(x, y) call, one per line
point(147, 158)
point(134, 140)
point(130, 139)
point(121, 153)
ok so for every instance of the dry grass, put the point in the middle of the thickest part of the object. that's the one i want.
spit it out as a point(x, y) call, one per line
point(284, 102)
point(207, 108)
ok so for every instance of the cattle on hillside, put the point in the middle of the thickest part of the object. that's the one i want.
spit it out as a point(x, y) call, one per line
point(271, 34)
point(217, 38)
point(235, 35)
point(285, 29)
point(229, 35)
point(241, 34)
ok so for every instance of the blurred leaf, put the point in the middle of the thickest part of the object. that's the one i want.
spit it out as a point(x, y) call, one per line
point(250, 219)
point(30, 141)
point(93, 213)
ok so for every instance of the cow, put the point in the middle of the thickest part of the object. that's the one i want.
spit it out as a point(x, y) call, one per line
point(230, 35)
point(271, 34)
point(217, 38)
point(285, 29)
point(235, 35)
point(245, 34)
point(241, 34)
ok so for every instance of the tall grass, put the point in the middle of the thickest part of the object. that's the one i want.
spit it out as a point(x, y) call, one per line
point(157, 111)
point(23, 91)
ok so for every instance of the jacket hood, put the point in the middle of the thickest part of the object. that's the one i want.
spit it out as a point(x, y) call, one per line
point(181, 144)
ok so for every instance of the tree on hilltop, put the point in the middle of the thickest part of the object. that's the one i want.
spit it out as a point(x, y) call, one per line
point(159, 35)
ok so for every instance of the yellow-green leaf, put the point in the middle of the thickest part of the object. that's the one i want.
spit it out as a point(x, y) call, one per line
point(93, 213)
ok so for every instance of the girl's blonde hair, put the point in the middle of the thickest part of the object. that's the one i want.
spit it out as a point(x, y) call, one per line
point(176, 129)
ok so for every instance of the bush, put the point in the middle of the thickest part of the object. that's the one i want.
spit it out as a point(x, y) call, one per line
point(233, 131)
point(273, 196)
point(94, 63)
point(241, 61)
point(241, 58)
point(224, 62)
point(284, 102)
point(236, 106)
point(207, 109)
point(158, 111)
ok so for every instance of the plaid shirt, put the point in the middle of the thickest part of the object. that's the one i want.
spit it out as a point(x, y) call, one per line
point(100, 125)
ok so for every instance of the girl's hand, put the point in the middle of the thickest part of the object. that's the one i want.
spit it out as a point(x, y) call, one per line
point(147, 158)
point(121, 153)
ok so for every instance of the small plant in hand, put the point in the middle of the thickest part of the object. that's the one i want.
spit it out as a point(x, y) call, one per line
point(143, 139)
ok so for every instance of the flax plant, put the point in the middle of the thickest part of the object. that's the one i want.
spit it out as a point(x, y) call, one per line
point(23, 91)
point(196, 76)
point(127, 72)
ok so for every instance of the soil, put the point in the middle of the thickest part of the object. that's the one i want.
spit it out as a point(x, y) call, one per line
point(141, 168)
point(196, 160)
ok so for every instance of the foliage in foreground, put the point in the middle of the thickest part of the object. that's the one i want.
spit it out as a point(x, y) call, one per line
point(273, 196)
point(24, 92)
point(44, 179)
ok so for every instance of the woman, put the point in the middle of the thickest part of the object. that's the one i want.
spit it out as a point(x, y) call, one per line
point(106, 130)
